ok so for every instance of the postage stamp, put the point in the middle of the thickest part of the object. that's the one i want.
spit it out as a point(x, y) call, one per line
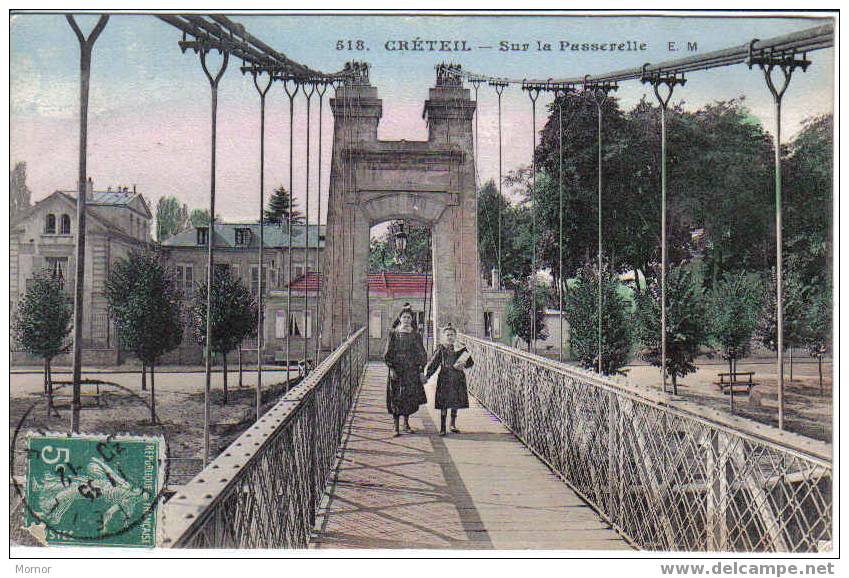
point(94, 489)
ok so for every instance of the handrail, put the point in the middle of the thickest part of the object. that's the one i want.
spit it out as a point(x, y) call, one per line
point(799, 444)
point(667, 474)
point(263, 490)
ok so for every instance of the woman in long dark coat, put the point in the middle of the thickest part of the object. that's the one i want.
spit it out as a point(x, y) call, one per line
point(451, 390)
point(405, 356)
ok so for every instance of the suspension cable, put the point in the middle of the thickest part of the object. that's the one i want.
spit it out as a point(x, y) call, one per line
point(291, 93)
point(307, 317)
point(319, 288)
point(560, 225)
point(533, 93)
point(802, 41)
point(598, 91)
point(214, 79)
point(499, 90)
point(263, 91)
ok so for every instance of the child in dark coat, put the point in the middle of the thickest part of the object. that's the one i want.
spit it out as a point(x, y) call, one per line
point(451, 390)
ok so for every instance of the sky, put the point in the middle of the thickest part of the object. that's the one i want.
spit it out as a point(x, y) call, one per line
point(150, 104)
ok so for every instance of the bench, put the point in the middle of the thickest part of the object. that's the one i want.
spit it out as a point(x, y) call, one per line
point(96, 394)
point(729, 382)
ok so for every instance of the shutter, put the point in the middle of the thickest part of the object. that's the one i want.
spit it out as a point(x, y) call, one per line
point(307, 324)
point(280, 324)
point(375, 327)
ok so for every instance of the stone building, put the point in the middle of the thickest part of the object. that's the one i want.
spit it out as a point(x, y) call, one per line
point(236, 248)
point(44, 237)
point(388, 292)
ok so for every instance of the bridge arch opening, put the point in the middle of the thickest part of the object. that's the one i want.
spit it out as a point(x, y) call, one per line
point(373, 181)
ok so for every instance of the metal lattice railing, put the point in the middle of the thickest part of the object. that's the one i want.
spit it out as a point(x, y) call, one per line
point(264, 489)
point(667, 474)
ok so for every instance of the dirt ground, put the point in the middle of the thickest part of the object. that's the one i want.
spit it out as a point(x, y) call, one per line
point(807, 411)
point(124, 408)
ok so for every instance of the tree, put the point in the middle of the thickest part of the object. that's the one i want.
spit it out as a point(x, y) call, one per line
point(144, 301)
point(171, 217)
point(280, 205)
point(685, 323)
point(734, 307)
point(234, 315)
point(42, 323)
point(719, 164)
point(807, 220)
point(794, 298)
point(19, 193)
point(817, 334)
point(581, 311)
point(199, 218)
point(520, 310)
point(383, 255)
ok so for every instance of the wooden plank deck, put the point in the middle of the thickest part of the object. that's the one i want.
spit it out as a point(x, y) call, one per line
point(479, 489)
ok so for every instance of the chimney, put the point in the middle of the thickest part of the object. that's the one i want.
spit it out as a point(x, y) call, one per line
point(495, 283)
point(89, 189)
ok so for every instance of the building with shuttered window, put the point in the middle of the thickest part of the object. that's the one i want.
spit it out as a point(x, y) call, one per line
point(44, 238)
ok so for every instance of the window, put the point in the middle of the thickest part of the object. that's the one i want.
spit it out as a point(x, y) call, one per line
point(202, 235)
point(300, 324)
point(280, 324)
point(58, 267)
point(375, 327)
point(299, 270)
point(496, 326)
point(65, 225)
point(243, 236)
point(50, 224)
point(255, 279)
point(185, 280)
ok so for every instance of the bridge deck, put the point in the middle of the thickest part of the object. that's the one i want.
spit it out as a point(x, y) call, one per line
point(479, 489)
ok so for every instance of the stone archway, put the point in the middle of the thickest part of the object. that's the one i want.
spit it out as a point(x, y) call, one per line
point(430, 181)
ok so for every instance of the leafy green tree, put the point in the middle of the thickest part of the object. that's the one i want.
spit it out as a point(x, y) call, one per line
point(808, 184)
point(171, 217)
point(719, 164)
point(520, 313)
point(42, 323)
point(490, 203)
point(686, 322)
point(794, 296)
point(724, 176)
point(383, 255)
point(817, 334)
point(234, 315)
point(19, 193)
point(199, 218)
point(734, 307)
point(581, 311)
point(281, 206)
point(144, 301)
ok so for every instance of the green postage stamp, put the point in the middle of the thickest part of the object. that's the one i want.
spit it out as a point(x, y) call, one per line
point(94, 490)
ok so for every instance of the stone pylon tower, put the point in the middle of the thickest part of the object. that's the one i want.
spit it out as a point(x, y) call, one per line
point(372, 181)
